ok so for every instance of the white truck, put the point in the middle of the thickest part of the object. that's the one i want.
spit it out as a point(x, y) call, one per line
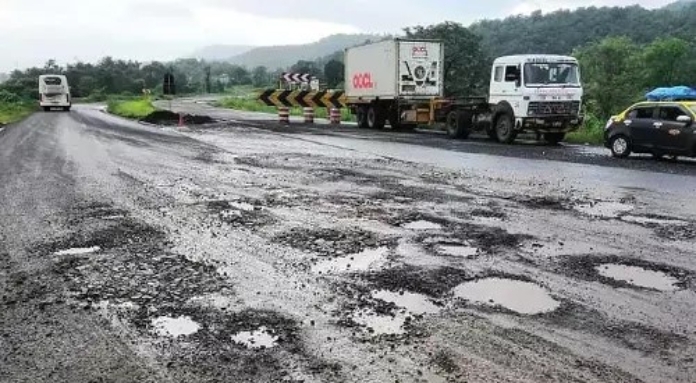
point(402, 82)
point(54, 92)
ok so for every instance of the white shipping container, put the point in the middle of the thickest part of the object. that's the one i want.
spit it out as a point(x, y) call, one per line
point(391, 69)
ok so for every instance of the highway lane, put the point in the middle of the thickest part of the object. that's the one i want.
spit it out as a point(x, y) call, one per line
point(246, 252)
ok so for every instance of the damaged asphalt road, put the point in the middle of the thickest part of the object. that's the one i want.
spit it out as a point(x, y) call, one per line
point(239, 252)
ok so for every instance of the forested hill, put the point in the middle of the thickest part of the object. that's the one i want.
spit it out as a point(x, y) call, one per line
point(562, 32)
point(284, 56)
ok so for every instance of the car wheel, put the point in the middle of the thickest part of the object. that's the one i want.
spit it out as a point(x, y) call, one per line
point(505, 129)
point(620, 146)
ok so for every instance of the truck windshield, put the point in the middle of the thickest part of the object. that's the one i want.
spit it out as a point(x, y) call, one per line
point(540, 74)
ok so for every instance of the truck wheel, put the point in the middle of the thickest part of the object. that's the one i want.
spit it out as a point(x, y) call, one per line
point(375, 118)
point(505, 129)
point(459, 124)
point(554, 138)
point(361, 117)
point(491, 133)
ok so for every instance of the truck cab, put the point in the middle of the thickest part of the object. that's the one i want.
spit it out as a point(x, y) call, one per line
point(537, 93)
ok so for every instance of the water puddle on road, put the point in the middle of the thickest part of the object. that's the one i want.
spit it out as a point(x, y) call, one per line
point(639, 276)
point(522, 297)
point(380, 324)
point(653, 221)
point(78, 251)
point(458, 251)
point(604, 209)
point(371, 259)
point(422, 225)
point(261, 338)
point(242, 206)
point(175, 327)
point(416, 304)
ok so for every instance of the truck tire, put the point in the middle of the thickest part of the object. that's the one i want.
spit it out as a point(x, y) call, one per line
point(459, 124)
point(376, 118)
point(491, 133)
point(361, 117)
point(505, 129)
point(554, 138)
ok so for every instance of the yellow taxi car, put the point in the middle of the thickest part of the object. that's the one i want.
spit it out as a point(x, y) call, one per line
point(660, 128)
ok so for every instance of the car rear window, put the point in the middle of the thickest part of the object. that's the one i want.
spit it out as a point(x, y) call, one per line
point(52, 80)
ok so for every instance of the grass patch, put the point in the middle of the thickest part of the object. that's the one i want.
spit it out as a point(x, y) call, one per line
point(13, 112)
point(591, 132)
point(133, 109)
point(249, 104)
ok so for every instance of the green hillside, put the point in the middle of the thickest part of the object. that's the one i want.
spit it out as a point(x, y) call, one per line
point(563, 31)
point(284, 56)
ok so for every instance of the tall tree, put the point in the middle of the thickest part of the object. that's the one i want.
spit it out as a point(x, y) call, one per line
point(334, 71)
point(611, 73)
point(260, 77)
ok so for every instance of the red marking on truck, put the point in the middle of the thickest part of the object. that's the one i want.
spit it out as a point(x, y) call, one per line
point(363, 81)
point(419, 52)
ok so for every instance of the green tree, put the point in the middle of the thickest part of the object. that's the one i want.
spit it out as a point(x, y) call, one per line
point(310, 67)
point(665, 62)
point(260, 77)
point(334, 71)
point(612, 74)
point(465, 66)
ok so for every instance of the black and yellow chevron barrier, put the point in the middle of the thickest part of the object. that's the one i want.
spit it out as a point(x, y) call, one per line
point(303, 98)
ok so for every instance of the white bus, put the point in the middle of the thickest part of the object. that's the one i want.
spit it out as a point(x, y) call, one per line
point(54, 92)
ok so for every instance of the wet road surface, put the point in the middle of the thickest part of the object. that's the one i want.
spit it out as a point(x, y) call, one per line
point(246, 252)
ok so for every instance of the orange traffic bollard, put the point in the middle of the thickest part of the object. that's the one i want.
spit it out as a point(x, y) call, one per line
point(284, 115)
point(335, 116)
point(308, 115)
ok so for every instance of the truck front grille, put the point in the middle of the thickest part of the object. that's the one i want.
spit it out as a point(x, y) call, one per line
point(554, 108)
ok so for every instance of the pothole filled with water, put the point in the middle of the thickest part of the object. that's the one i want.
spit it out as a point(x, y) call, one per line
point(371, 259)
point(638, 276)
point(78, 251)
point(175, 327)
point(258, 339)
point(377, 324)
point(462, 251)
point(422, 225)
point(417, 304)
point(521, 297)
point(653, 221)
point(604, 209)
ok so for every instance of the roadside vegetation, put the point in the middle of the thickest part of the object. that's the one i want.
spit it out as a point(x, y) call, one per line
point(134, 109)
point(13, 108)
point(592, 132)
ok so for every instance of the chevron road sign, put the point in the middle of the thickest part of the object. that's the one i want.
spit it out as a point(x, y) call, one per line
point(297, 77)
point(303, 98)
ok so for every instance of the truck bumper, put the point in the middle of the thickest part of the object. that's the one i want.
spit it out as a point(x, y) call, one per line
point(559, 124)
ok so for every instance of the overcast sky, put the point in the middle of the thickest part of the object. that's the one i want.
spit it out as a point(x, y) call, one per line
point(32, 31)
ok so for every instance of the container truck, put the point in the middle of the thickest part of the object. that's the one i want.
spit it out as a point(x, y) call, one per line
point(401, 82)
